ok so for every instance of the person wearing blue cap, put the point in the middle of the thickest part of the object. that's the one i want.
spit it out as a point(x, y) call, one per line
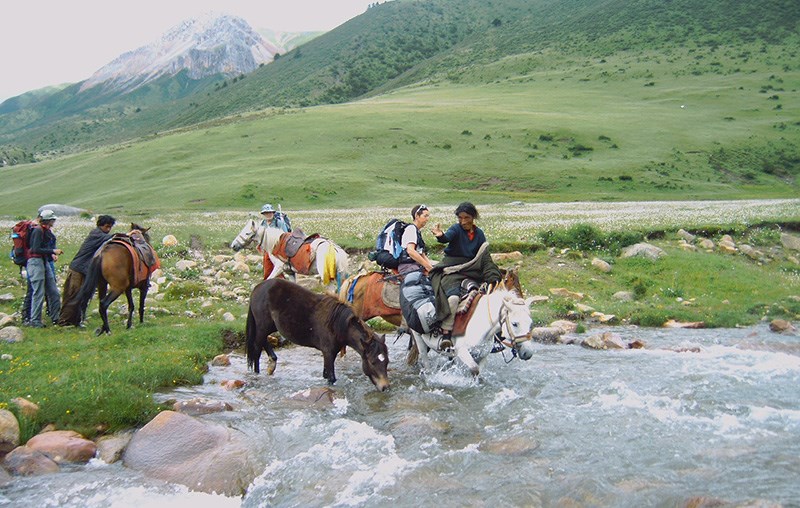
point(275, 218)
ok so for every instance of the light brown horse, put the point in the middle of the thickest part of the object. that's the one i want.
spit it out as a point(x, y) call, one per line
point(123, 263)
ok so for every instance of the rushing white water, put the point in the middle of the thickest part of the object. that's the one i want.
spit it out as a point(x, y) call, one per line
point(711, 414)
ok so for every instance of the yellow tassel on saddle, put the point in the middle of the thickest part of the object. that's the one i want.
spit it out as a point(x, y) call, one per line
point(330, 265)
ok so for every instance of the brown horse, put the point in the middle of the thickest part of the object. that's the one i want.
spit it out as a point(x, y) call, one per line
point(313, 320)
point(123, 263)
point(364, 292)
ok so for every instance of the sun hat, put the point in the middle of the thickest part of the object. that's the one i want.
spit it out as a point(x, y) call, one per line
point(48, 215)
point(267, 208)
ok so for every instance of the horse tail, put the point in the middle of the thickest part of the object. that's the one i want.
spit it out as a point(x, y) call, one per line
point(90, 282)
point(251, 342)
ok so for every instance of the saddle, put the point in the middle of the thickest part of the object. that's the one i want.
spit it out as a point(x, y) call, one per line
point(144, 256)
point(295, 248)
point(382, 294)
point(466, 308)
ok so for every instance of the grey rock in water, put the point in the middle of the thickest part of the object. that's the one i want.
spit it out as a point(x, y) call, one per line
point(25, 461)
point(202, 456)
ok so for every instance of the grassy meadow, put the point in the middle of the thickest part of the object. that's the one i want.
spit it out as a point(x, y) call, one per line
point(621, 128)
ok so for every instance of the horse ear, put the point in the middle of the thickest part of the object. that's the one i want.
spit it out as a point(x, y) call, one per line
point(133, 226)
point(529, 301)
point(145, 230)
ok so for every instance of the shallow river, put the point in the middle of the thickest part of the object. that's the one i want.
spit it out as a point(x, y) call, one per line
point(711, 414)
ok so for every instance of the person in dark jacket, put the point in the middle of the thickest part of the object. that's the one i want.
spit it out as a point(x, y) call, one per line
point(72, 312)
point(465, 257)
point(41, 273)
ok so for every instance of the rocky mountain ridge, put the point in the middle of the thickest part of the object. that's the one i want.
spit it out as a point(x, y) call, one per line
point(206, 46)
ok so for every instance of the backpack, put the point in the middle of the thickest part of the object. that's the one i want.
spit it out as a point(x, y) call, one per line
point(280, 216)
point(418, 302)
point(19, 235)
point(388, 244)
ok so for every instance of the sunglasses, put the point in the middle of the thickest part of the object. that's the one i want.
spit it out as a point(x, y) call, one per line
point(421, 209)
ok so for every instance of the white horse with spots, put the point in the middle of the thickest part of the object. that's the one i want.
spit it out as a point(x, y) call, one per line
point(267, 238)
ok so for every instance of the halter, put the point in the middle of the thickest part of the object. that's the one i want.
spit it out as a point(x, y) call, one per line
point(502, 342)
point(245, 237)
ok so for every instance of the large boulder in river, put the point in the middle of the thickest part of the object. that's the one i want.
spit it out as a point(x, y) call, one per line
point(9, 431)
point(64, 446)
point(202, 456)
point(25, 461)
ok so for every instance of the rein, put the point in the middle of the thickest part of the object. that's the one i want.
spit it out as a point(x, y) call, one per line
point(501, 342)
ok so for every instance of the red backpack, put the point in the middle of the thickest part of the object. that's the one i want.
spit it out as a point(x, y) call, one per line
point(19, 234)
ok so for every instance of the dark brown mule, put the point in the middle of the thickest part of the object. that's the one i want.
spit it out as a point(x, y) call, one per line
point(117, 268)
point(313, 320)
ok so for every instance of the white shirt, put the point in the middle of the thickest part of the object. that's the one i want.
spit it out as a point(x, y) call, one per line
point(409, 236)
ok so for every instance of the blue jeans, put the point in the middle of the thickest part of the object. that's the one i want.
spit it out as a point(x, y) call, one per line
point(42, 284)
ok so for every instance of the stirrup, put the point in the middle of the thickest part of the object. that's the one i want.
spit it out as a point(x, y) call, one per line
point(445, 342)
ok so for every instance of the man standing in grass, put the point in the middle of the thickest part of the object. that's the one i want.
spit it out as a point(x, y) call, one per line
point(72, 313)
point(41, 271)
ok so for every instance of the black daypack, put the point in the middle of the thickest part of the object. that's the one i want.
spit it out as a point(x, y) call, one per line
point(388, 244)
point(418, 302)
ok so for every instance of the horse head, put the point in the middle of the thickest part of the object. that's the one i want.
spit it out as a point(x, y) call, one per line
point(245, 236)
point(516, 325)
point(137, 229)
point(510, 280)
point(375, 357)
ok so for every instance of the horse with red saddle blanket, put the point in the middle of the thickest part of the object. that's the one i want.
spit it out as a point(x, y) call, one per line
point(125, 262)
point(294, 252)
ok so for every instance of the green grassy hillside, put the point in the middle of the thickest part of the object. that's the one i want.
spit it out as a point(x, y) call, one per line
point(584, 132)
point(408, 42)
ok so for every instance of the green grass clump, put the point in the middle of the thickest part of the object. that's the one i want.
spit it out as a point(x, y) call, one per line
point(586, 237)
point(92, 384)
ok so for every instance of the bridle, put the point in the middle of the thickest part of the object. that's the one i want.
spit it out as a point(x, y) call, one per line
point(502, 342)
point(245, 237)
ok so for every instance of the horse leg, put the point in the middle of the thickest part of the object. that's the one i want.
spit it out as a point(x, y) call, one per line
point(329, 356)
point(465, 356)
point(142, 296)
point(105, 303)
point(263, 331)
point(422, 347)
point(129, 296)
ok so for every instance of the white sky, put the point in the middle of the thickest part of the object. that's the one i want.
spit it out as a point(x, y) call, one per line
point(49, 42)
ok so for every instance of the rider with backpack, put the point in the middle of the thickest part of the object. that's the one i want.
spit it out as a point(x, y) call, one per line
point(392, 245)
point(413, 256)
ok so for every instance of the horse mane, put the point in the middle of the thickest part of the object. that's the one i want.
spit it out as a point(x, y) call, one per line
point(339, 315)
